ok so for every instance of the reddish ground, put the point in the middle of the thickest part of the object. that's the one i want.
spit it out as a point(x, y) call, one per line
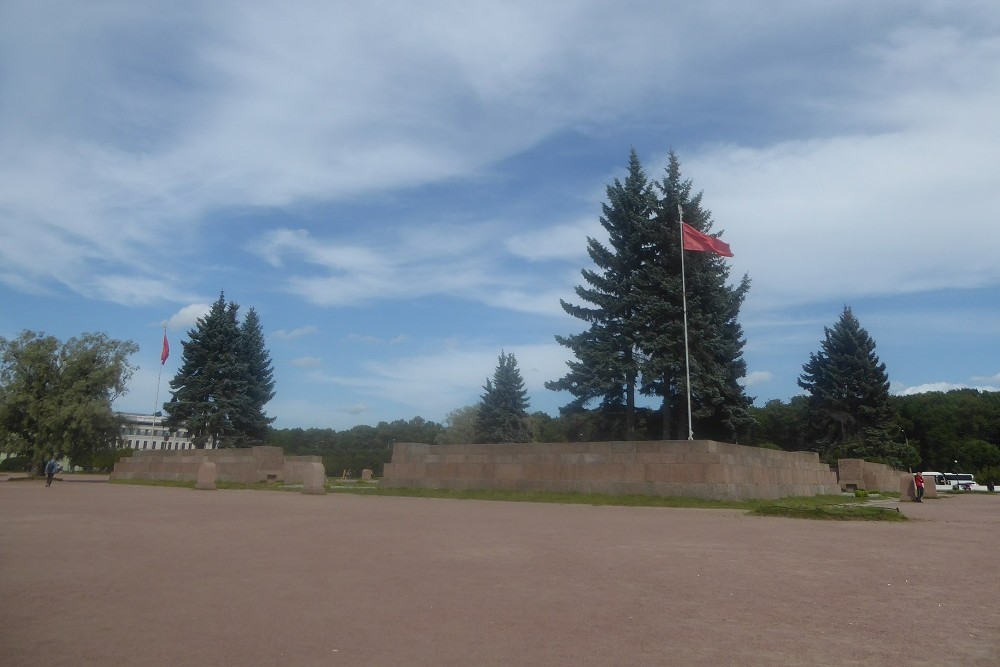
point(101, 574)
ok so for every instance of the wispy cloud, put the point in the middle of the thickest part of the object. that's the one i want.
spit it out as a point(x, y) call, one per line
point(292, 334)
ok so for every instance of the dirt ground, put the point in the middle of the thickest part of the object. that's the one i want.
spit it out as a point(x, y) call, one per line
point(102, 574)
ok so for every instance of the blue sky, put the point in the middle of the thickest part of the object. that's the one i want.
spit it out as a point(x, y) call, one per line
point(402, 193)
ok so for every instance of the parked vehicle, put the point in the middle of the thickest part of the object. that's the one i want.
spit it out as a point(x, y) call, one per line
point(940, 481)
point(963, 481)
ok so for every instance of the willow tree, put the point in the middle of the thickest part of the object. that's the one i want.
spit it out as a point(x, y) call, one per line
point(56, 398)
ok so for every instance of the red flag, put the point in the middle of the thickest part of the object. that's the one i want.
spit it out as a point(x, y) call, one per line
point(695, 240)
point(166, 350)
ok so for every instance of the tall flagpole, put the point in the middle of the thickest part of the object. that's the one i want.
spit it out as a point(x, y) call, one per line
point(156, 401)
point(687, 359)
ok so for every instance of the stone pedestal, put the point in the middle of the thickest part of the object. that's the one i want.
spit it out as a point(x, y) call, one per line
point(314, 479)
point(206, 476)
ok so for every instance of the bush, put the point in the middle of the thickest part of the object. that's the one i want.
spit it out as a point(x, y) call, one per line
point(860, 493)
point(988, 476)
point(14, 464)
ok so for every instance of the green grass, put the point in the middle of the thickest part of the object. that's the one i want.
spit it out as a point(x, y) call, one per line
point(828, 508)
point(837, 508)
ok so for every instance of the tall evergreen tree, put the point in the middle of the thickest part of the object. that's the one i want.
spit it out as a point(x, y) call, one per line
point(636, 335)
point(607, 361)
point(849, 410)
point(503, 412)
point(251, 421)
point(224, 381)
point(719, 402)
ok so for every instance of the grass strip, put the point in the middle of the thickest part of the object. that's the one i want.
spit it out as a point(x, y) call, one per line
point(830, 508)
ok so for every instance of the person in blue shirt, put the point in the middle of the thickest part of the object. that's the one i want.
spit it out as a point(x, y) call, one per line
point(51, 468)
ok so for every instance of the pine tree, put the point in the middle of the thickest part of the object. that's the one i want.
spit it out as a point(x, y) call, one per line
point(607, 364)
point(849, 410)
point(224, 381)
point(503, 412)
point(719, 403)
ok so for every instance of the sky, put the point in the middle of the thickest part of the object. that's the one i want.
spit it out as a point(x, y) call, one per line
point(404, 191)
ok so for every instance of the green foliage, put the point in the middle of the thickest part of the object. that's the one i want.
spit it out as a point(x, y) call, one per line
point(502, 415)
point(988, 476)
point(15, 464)
point(780, 423)
point(607, 364)
point(357, 448)
point(860, 493)
point(849, 413)
point(251, 421)
point(635, 340)
point(460, 427)
point(962, 425)
point(224, 382)
point(55, 398)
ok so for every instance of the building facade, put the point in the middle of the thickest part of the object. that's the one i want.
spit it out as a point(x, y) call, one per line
point(148, 432)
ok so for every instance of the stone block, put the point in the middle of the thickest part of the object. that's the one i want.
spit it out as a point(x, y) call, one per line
point(314, 481)
point(206, 476)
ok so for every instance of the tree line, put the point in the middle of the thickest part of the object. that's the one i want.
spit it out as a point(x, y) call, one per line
point(661, 324)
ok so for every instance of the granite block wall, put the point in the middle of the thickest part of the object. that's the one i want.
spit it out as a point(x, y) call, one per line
point(698, 468)
point(245, 465)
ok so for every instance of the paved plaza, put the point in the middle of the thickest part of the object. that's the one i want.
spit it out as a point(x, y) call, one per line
point(107, 574)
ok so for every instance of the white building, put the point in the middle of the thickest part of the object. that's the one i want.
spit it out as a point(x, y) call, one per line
point(148, 432)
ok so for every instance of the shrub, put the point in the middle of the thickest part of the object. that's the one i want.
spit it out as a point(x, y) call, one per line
point(988, 476)
point(14, 464)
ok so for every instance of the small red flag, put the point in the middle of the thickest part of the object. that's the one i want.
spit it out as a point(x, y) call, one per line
point(695, 240)
point(166, 350)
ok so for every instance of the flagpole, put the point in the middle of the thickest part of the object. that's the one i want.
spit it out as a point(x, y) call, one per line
point(687, 359)
point(159, 373)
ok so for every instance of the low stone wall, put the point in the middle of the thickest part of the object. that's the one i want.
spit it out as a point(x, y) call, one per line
point(855, 474)
point(697, 468)
point(245, 465)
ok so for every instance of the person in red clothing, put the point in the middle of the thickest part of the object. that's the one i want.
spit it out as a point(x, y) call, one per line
point(918, 481)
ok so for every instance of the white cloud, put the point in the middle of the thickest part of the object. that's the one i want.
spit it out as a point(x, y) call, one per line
point(307, 362)
point(564, 242)
point(433, 384)
point(291, 334)
point(187, 317)
point(756, 378)
point(939, 386)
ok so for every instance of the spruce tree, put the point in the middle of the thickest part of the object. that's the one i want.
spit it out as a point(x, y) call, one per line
point(849, 411)
point(607, 364)
point(503, 412)
point(224, 381)
point(720, 406)
point(636, 336)
point(251, 421)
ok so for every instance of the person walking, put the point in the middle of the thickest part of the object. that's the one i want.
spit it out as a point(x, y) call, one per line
point(51, 468)
point(918, 481)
